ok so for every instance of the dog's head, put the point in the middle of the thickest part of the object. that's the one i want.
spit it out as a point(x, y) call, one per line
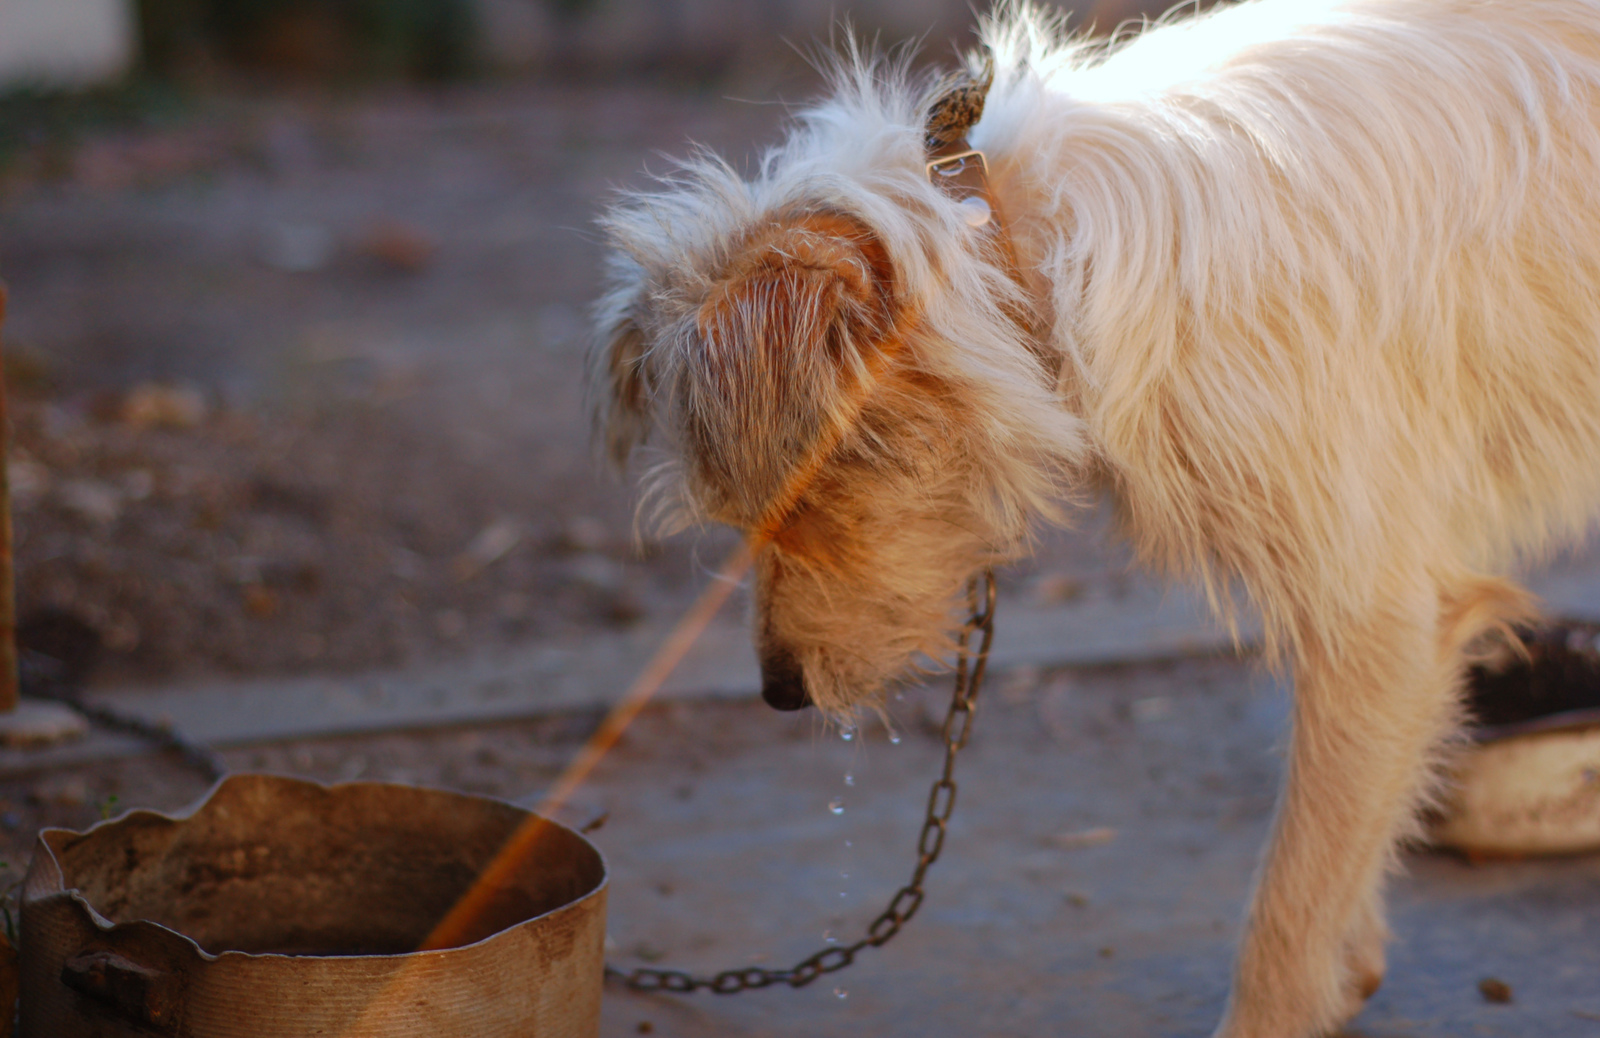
point(831, 355)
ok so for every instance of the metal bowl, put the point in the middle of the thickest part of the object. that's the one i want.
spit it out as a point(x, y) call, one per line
point(279, 908)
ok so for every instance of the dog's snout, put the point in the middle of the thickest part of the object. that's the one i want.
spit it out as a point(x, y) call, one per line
point(783, 682)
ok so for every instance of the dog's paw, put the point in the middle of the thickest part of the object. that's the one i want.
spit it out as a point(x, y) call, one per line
point(1365, 959)
point(1267, 1013)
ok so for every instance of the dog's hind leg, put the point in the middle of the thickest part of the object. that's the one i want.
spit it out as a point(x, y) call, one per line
point(1369, 719)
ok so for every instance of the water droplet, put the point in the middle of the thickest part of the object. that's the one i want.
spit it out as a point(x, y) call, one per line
point(840, 993)
point(847, 843)
point(849, 780)
point(847, 734)
point(827, 935)
point(844, 875)
point(836, 805)
point(894, 737)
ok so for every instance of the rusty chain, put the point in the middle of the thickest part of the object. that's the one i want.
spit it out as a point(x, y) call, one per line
point(44, 677)
point(969, 673)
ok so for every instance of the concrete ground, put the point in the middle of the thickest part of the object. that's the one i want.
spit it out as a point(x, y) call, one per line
point(1095, 873)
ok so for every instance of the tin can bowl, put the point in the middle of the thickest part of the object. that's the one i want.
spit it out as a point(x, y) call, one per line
point(280, 908)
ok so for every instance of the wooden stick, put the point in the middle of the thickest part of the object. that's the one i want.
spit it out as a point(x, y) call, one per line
point(8, 591)
point(458, 925)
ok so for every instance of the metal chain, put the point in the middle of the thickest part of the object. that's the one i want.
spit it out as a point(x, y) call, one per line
point(969, 673)
point(42, 678)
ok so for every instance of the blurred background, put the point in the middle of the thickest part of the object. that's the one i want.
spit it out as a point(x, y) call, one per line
point(298, 297)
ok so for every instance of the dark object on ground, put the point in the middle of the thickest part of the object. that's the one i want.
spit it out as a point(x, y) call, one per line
point(1495, 990)
point(59, 649)
point(10, 980)
point(1560, 675)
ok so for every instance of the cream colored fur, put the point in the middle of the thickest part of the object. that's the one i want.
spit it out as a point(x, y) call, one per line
point(1320, 290)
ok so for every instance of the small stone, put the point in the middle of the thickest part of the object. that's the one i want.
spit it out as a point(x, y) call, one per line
point(260, 602)
point(297, 248)
point(39, 723)
point(29, 481)
point(1152, 709)
point(1084, 838)
point(400, 247)
point(68, 792)
point(1494, 990)
point(645, 1027)
point(151, 405)
point(491, 544)
point(98, 502)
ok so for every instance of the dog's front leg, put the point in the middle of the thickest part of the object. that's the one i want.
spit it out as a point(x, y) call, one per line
point(1364, 726)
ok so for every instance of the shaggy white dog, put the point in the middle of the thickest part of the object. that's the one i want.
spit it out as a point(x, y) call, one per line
point(1312, 288)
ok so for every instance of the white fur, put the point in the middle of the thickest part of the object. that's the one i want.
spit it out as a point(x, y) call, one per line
point(1321, 289)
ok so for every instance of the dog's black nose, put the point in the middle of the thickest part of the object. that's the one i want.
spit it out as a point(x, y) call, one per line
point(783, 683)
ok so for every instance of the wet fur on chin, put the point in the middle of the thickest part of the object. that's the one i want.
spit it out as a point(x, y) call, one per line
point(1319, 285)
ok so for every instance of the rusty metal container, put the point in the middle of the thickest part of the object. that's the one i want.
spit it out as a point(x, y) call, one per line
point(279, 908)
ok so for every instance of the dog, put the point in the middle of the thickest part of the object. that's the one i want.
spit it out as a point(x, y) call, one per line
point(1310, 288)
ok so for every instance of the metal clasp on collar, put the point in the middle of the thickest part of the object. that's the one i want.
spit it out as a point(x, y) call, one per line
point(954, 165)
point(964, 176)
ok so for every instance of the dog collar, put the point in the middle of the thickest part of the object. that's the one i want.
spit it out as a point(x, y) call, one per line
point(961, 172)
point(954, 166)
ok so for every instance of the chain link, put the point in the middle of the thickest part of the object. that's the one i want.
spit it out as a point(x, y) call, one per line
point(42, 677)
point(971, 665)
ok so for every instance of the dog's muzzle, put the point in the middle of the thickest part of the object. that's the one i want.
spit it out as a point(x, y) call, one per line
point(783, 683)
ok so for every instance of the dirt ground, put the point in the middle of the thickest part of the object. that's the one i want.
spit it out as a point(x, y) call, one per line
point(298, 380)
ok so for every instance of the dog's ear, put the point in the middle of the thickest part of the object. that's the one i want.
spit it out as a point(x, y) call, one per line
point(623, 414)
point(799, 318)
point(618, 383)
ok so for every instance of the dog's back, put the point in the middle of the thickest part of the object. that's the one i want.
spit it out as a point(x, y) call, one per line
point(1355, 249)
